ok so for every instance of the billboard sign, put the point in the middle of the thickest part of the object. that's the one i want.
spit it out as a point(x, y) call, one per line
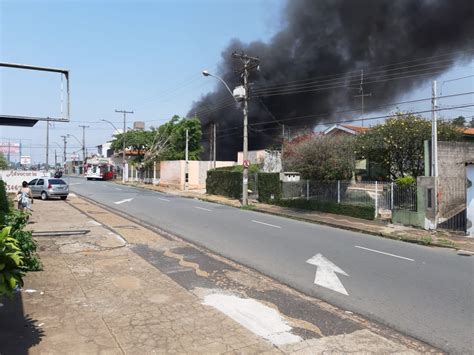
point(9, 148)
point(25, 160)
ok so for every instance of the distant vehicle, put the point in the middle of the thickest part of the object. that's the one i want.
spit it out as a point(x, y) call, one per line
point(49, 187)
point(58, 174)
point(98, 170)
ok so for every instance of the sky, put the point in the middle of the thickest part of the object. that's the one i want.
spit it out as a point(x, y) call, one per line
point(141, 56)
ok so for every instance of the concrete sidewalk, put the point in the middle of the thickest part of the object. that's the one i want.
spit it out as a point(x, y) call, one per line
point(443, 239)
point(123, 289)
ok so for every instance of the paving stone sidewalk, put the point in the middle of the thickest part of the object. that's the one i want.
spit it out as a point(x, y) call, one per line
point(98, 295)
point(387, 230)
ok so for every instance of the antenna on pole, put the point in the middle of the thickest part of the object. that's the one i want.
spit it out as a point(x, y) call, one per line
point(362, 95)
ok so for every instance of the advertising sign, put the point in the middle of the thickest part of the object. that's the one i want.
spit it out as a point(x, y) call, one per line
point(9, 148)
point(14, 178)
point(25, 160)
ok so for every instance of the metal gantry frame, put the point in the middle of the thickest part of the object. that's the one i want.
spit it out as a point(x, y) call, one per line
point(65, 72)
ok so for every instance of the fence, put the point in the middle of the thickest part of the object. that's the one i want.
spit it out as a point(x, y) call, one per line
point(383, 196)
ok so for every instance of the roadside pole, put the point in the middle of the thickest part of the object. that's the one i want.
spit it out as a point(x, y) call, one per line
point(186, 168)
point(434, 149)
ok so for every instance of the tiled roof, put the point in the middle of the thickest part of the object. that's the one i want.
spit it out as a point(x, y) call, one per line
point(355, 128)
point(468, 131)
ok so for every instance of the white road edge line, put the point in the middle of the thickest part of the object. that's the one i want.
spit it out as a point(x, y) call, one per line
point(163, 199)
point(266, 224)
point(381, 252)
point(202, 208)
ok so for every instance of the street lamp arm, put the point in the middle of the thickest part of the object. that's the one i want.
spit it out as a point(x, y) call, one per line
point(206, 73)
point(77, 139)
point(116, 129)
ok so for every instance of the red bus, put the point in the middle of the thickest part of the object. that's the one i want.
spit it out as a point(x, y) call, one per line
point(99, 170)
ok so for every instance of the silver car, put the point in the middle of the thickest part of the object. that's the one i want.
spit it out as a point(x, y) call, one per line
point(49, 187)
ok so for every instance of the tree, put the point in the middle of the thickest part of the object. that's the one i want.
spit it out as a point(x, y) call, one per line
point(459, 121)
point(167, 142)
point(323, 158)
point(471, 124)
point(397, 145)
point(3, 162)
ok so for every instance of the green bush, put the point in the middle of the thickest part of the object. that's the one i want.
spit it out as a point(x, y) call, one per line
point(268, 185)
point(4, 204)
point(358, 211)
point(11, 260)
point(405, 181)
point(253, 168)
point(17, 220)
point(224, 182)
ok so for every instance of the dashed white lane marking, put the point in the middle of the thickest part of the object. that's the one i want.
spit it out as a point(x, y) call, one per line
point(255, 316)
point(266, 224)
point(384, 253)
point(163, 199)
point(118, 188)
point(202, 208)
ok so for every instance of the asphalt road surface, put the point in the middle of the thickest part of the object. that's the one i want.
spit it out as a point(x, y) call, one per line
point(427, 293)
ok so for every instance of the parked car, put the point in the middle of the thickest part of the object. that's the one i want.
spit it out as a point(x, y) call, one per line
point(49, 187)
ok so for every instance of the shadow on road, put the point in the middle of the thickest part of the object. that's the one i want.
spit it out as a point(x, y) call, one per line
point(18, 331)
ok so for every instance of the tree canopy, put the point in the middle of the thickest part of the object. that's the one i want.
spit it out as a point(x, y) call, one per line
point(167, 142)
point(398, 143)
point(322, 158)
point(3, 162)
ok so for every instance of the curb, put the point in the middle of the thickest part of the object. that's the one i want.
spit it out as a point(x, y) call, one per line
point(405, 239)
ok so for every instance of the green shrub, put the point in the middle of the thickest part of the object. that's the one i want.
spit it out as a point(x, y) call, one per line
point(11, 260)
point(358, 211)
point(405, 181)
point(4, 203)
point(268, 187)
point(224, 182)
point(17, 220)
point(253, 168)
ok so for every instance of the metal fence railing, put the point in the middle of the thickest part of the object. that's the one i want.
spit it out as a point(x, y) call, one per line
point(405, 198)
point(380, 195)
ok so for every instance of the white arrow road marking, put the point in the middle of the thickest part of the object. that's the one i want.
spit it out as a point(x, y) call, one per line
point(266, 224)
point(202, 208)
point(384, 253)
point(126, 200)
point(326, 274)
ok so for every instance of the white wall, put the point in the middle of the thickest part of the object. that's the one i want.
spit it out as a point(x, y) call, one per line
point(14, 178)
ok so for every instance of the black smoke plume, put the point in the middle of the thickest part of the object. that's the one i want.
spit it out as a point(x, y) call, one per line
point(333, 40)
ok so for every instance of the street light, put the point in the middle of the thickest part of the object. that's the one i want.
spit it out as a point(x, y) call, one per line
point(116, 129)
point(245, 143)
point(78, 141)
point(206, 73)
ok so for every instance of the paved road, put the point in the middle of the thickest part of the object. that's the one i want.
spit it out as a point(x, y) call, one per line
point(427, 293)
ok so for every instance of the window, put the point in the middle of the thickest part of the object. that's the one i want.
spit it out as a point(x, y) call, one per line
point(429, 198)
point(40, 182)
point(32, 182)
point(57, 182)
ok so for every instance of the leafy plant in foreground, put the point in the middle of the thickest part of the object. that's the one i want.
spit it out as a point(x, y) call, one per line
point(11, 261)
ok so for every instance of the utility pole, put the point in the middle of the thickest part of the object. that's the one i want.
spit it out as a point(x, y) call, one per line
point(434, 148)
point(186, 168)
point(362, 95)
point(123, 140)
point(211, 143)
point(282, 146)
point(64, 153)
point(55, 159)
point(214, 146)
point(83, 145)
point(434, 134)
point(248, 63)
point(47, 146)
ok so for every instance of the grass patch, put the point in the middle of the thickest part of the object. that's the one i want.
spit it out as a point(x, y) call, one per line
point(447, 243)
point(248, 207)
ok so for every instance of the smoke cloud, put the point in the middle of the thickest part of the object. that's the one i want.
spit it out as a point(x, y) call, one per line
point(319, 54)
